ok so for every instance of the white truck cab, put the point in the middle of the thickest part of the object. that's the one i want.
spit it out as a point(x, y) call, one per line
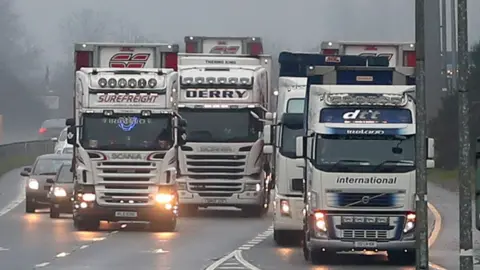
point(359, 160)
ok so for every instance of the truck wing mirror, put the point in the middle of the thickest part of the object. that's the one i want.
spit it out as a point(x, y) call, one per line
point(299, 147)
point(70, 122)
point(268, 149)
point(430, 148)
point(267, 134)
point(72, 135)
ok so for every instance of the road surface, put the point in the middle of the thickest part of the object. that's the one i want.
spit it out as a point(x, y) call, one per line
point(215, 240)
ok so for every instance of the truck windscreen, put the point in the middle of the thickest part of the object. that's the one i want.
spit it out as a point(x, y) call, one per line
point(365, 153)
point(221, 125)
point(126, 132)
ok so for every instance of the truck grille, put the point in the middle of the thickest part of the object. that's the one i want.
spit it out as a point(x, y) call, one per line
point(215, 175)
point(126, 183)
point(365, 234)
point(359, 200)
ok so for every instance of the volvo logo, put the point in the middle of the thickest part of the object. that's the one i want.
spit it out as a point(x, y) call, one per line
point(365, 199)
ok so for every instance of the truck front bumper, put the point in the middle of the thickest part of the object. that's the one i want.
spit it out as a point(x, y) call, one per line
point(94, 211)
point(341, 245)
point(235, 200)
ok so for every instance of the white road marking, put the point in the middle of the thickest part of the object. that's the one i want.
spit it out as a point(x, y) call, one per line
point(239, 262)
point(40, 265)
point(219, 262)
point(62, 254)
point(4, 249)
point(20, 198)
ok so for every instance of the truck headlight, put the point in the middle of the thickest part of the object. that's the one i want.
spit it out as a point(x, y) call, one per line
point(59, 192)
point(284, 208)
point(33, 184)
point(88, 197)
point(164, 198)
point(410, 222)
point(253, 187)
point(320, 224)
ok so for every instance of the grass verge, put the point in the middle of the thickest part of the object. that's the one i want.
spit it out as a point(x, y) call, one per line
point(15, 162)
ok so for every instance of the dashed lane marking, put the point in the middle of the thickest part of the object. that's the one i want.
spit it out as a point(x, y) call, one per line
point(75, 249)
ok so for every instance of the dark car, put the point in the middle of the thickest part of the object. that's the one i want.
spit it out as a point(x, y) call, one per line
point(37, 187)
point(61, 192)
point(51, 129)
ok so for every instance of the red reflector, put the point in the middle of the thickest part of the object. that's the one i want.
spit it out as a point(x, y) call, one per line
point(330, 51)
point(410, 59)
point(171, 61)
point(42, 130)
point(82, 59)
point(191, 47)
point(256, 48)
point(370, 48)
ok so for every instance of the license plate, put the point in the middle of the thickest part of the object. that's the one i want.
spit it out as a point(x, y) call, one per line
point(125, 214)
point(366, 244)
point(216, 201)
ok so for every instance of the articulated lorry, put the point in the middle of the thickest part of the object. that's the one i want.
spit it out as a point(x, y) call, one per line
point(224, 100)
point(125, 133)
point(280, 141)
point(359, 164)
point(399, 54)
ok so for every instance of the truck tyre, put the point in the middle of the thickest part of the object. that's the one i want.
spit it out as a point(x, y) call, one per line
point(86, 225)
point(253, 211)
point(403, 258)
point(30, 206)
point(187, 210)
point(282, 238)
point(320, 257)
point(54, 213)
point(162, 225)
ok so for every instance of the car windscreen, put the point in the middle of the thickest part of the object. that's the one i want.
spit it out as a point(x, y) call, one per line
point(46, 166)
point(65, 175)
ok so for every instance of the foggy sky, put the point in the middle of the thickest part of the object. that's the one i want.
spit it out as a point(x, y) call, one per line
point(291, 25)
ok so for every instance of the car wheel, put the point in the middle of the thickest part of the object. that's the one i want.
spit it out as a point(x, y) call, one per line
point(30, 206)
point(86, 225)
point(163, 225)
point(54, 213)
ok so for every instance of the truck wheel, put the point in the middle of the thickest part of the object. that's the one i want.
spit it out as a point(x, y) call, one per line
point(403, 258)
point(187, 210)
point(54, 213)
point(163, 225)
point(282, 238)
point(306, 252)
point(254, 211)
point(30, 206)
point(320, 257)
point(86, 225)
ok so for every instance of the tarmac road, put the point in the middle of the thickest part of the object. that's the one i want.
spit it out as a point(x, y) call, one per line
point(218, 240)
point(34, 241)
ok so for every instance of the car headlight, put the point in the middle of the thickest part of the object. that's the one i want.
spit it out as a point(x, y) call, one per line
point(164, 198)
point(33, 184)
point(59, 192)
point(253, 187)
point(88, 197)
point(410, 222)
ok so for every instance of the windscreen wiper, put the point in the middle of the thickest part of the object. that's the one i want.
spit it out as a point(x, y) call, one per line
point(383, 163)
point(348, 161)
